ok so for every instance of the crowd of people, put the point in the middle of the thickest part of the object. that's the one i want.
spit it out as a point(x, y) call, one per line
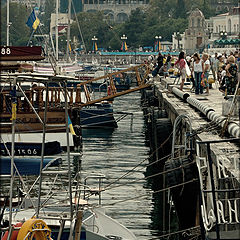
point(222, 68)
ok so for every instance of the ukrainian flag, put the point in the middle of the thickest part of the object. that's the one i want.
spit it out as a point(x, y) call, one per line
point(125, 46)
point(71, 126)
point(33, 20)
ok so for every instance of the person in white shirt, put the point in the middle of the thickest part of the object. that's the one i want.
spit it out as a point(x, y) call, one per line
point(206, 68)
point(214, 65)
point(198, 70)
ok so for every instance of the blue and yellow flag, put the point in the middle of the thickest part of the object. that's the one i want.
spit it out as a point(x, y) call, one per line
point(71, 126)
point(95, 47)
point(33, 20)
point(124, 46)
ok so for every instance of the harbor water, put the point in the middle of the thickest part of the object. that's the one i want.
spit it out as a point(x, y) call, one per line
point(114, 154)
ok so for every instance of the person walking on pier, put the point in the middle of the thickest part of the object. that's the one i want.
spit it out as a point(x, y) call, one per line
point(206, 68)
point(214, 65)
point(231, 76)
point(181, 63)
point(198, 70)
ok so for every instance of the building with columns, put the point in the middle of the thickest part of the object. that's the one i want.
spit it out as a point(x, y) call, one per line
point(225, 25)
point(114, 10)
point(201, 33)
point(195, 36)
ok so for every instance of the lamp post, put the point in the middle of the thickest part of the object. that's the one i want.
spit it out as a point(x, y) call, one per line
point(94, 39)
point(223, 35)
point(124, 44)
point(158, 43)
point(178, 37)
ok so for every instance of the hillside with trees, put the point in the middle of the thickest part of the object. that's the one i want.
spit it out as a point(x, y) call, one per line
point(162, 18)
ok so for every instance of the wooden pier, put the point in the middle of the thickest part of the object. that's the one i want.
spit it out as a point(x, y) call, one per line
point(215, 155)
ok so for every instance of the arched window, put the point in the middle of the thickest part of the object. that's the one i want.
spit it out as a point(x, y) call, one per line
point(229, 25)
point(234, 28)
point(216, 29)
point(199, 22)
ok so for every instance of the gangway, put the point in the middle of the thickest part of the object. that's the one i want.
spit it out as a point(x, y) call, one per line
point(141, 71)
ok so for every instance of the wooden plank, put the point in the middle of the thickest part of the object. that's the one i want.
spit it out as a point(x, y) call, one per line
point(116, 95)
point(111, 74)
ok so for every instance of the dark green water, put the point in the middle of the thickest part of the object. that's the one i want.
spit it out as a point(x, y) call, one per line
point(115, 153)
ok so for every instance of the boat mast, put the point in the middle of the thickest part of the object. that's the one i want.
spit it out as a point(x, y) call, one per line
point(12, 156)
point(42, 150)
point(8, 23)
point(56, 28)
point(69, 161)
point(68, 31)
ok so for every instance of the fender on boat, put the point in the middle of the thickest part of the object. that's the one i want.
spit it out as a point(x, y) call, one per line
point(14, 233)
point(34, 229)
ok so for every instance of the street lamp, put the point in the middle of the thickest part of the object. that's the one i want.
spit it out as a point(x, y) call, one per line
point(94, 39)
point(124, 44)
point(158, 43)
point(178, 37)
point(223, 35)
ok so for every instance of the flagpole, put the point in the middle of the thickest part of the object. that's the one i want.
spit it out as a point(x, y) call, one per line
point(30, 37)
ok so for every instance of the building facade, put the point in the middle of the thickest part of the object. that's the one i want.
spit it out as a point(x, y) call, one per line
point(225, 25)
point(202, 33)
point(114, 10)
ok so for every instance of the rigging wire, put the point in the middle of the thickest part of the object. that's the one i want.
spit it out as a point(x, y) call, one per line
point(197, 131)
point(79, 28)
point(158, 191)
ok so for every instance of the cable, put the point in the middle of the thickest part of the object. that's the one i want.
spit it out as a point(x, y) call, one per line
point(158, 191)
point(174, 233)
point(154, 175)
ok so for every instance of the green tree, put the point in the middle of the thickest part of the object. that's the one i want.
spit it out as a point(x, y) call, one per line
point(92, 24)
point(50, 6)
point(180, 9)
point(19, 32)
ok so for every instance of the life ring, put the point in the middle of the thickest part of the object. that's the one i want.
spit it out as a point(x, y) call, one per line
point(35, 229)
point(14, 233)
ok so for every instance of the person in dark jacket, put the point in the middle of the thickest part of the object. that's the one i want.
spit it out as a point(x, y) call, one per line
point(160, 60)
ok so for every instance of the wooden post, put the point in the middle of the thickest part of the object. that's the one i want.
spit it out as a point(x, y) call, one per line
point(78, 225)
point(78, 95)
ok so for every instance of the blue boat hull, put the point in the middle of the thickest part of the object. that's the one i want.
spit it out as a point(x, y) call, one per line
point(26, 165)
point(98, 115)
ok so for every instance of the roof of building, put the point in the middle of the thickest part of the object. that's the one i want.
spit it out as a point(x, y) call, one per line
point(196, 13)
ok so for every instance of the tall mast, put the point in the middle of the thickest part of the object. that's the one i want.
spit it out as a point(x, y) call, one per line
point(56, 28)
point(8, 23)
point(68, 30)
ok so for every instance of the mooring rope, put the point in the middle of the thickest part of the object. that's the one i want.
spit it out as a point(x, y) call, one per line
point(153, 175)
point(177, 232)
point(158, 191)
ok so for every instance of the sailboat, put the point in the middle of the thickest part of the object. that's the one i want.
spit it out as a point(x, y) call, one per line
point(61, 209)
